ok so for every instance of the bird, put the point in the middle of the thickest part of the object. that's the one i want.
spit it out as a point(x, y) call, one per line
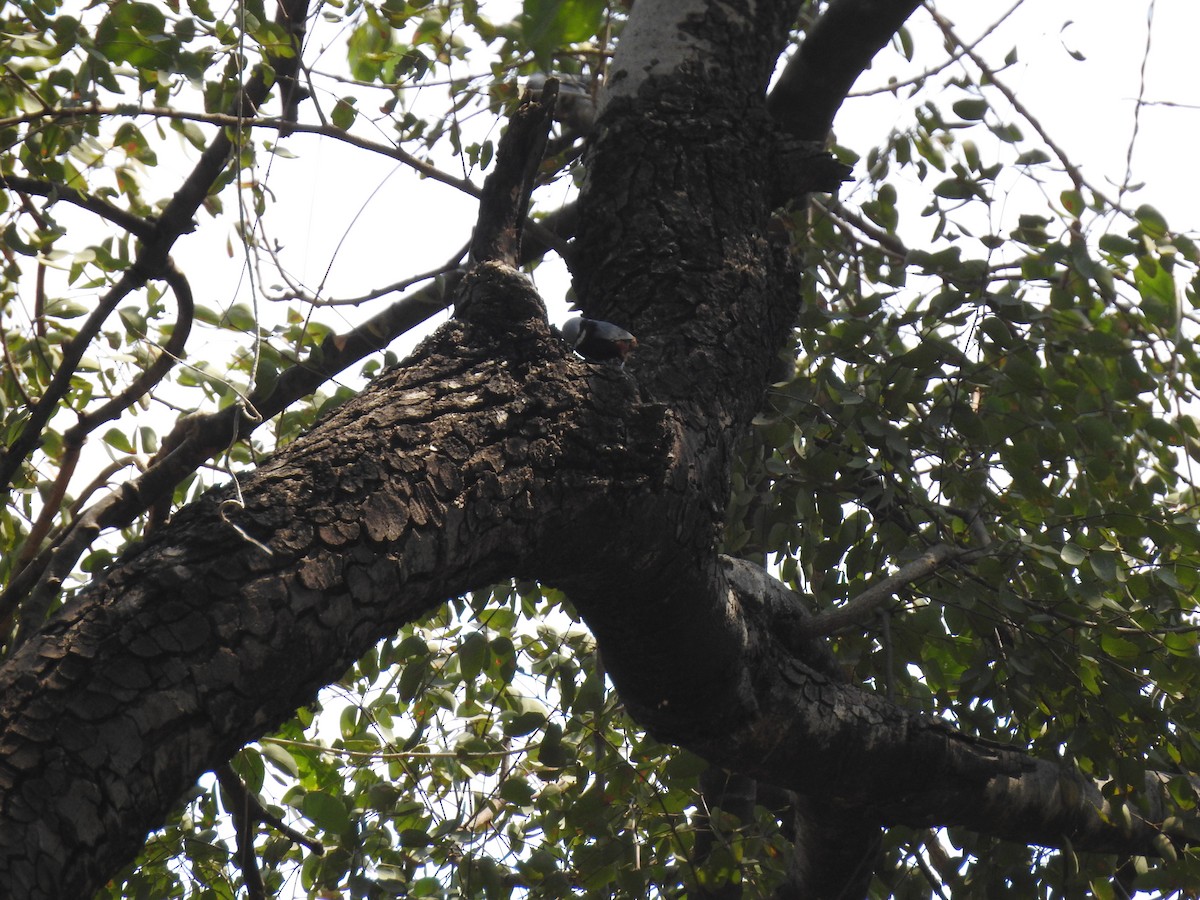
point(597, 341)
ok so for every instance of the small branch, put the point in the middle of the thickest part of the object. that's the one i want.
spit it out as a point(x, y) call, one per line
point(11, 368)
point(865, 606)
point(152, 259)
point(888, 243)
point(892, 86)
point(249, 120)
point(46, 405)
point(296, 292)
point(1071, 169)
point(51, 507)
point(74, 437)
point(170, 354)
point(241, 810)
point(29, 572)
point(55, 191)
point(247, 811)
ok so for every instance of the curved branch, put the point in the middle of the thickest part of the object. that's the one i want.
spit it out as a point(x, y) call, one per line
point(248, 119)
point(73, 440)
point(14, 455)
point(838, 48)
point(170, 354)
point(426, 521)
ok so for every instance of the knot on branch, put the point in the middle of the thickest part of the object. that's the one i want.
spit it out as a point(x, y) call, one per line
point(500, 301)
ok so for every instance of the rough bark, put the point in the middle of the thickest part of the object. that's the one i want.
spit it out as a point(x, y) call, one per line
point(493, 453)
point(442, 477)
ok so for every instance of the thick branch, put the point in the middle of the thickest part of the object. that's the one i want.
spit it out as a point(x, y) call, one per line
point(810, 733)
point(838, 48)
point(198, 438)
point(419, 489)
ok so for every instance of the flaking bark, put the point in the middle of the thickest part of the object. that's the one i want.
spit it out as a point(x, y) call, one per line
point(443, 476)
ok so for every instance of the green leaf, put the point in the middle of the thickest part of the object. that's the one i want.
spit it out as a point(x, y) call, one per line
point(524, 723)
point(1104, 565)
point(473, 655)
point(954, 189)
point(326, 811)
point(134, 33)
point(118, 439)
point(344, 113)
point(548, 25)
point(971, 109)
point(1152, 221)
point(368, 49)
point(1072, 202)
point(1119, 648)
point(1072, 554)
point(240, 317)
point(281, 758)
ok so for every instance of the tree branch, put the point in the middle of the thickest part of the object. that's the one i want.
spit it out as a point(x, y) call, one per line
point(248, 119)
point(401, 504)
point(198, 438)
point(241, 809)
point(837, 49)
point(1072, 170)
point(55, 191)
point(12, 457)
point(168, 356)
point(915, 770)
point(504, 202)
point(864, 607)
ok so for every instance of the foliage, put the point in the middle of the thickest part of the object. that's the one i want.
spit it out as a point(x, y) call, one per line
point(1018, 382)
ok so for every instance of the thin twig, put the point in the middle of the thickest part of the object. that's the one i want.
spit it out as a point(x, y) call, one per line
point(888, 243)
point(170, 354)
point(242, 811)
point(226, 120)
point(296, 292)
point(955, 56)
point(1137, 108)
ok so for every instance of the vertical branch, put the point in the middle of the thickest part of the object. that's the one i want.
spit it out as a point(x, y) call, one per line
point(506, 192)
